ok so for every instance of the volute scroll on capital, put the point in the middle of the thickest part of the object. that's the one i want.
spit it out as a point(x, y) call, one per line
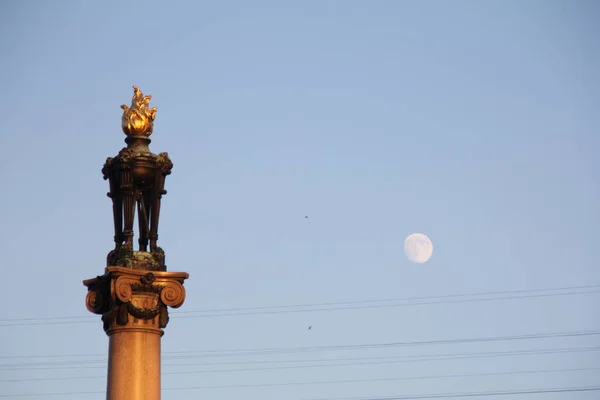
point(98, 298)
point(172, 294)
point(94, 302)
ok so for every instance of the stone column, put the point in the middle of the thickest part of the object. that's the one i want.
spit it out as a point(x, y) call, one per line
point(133, 304)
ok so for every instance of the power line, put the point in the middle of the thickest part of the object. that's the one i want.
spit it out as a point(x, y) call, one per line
point(471, 394)
point(281, 350)
point(385, 305)
point(315, 307)
point(292, 350)
point(339, 381)
point(394, 359)
point(410, 397)
point(374, 361)
point(396, 299)
point(387, 379)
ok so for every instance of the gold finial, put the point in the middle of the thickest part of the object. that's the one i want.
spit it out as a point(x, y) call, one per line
point(139, 119)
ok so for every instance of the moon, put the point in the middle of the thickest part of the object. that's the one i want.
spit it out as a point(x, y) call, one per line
point(418, 248)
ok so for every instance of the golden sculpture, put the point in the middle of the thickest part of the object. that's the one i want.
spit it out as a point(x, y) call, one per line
point(138, 119)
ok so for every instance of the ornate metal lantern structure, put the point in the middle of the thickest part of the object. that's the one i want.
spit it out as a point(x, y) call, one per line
point(137, 181)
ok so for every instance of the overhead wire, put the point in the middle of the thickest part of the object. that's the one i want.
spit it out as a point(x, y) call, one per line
point(365, 361)
point(190, 354)
point(412, 298)
point(389, 379)
point(371, 380)
point(308, 349)
point(470, 394)
point(318, 307)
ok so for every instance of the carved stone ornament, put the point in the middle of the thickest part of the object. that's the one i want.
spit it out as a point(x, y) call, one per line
point(129, 298)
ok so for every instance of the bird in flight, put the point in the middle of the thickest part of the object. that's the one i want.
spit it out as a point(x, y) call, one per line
point(310, 327)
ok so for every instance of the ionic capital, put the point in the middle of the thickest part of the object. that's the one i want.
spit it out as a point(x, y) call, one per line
point(135, 299)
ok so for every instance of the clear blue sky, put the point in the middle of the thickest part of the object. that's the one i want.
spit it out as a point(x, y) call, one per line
point(474, 122)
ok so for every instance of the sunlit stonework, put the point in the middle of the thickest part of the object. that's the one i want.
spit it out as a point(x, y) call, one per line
point(138, 119)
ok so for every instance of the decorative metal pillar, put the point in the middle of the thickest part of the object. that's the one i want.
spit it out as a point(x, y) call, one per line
point(135, 290)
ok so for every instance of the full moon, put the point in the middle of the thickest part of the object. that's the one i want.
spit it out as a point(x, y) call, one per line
point(418, 248)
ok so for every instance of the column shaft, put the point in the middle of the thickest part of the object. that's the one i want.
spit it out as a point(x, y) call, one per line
point(134, 365)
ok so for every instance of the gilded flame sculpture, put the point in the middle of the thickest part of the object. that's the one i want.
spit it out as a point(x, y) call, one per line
point(137, 178)
point(139, 119)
